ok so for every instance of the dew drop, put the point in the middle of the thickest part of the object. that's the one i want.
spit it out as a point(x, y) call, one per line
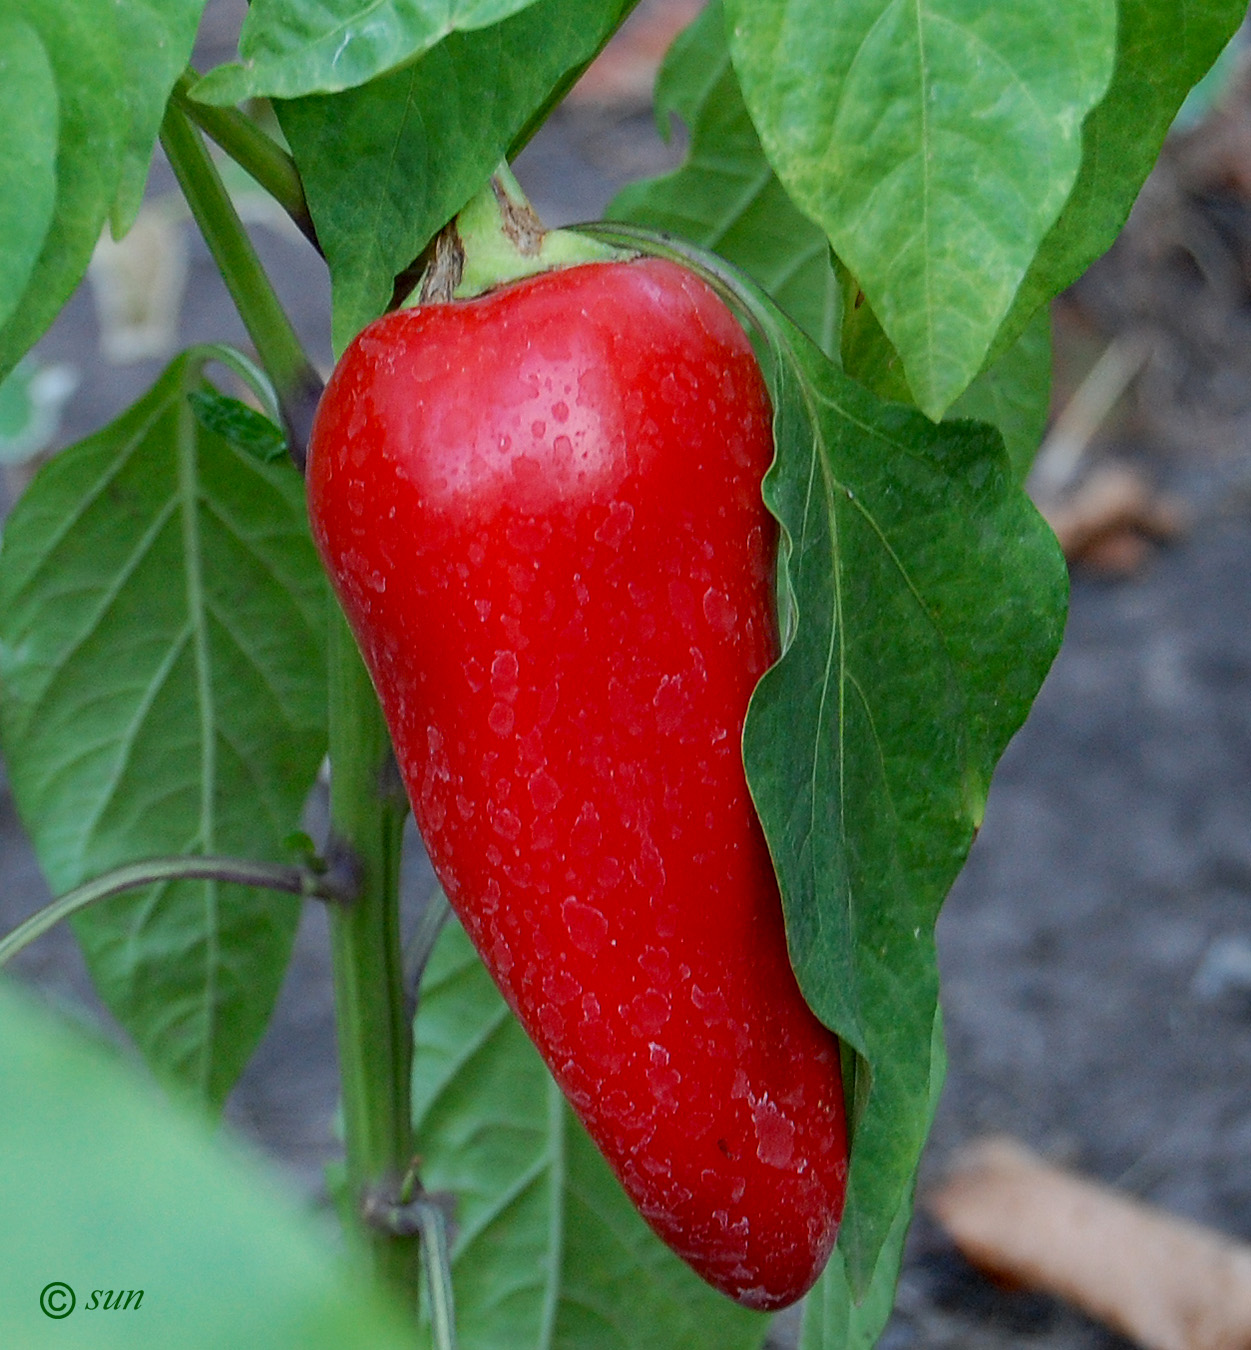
point(775, 1135)
point(656, 964)
point(719, 611)
point(609, 872)
point(586, 926)
point(670, 705)
point(504, 675)
point(617, 524)
point(586, 832)
point(545, 791)
point(551, 1023)
point(560, 986)
point(648, 1012)
point(507, 823)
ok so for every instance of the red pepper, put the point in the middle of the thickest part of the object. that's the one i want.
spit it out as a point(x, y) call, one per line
point(541, 511)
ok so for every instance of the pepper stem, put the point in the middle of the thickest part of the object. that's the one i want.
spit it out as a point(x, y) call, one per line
point(498, 238)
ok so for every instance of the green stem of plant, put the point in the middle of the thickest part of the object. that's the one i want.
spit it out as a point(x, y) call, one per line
point(374, 1032)
point(420, 945)
point(277, 345)
point(436, 1264)
point(260, 155)
point(273, 876)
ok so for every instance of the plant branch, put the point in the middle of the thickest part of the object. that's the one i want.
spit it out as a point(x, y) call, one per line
point(422, 1216)
point(254, 151)
point(304, 881)
point(371, 1019)
point(436, 1265)
point(420, 944)
point(277, 345)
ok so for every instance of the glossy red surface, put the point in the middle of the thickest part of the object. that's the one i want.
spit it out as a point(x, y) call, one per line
point(542, 513)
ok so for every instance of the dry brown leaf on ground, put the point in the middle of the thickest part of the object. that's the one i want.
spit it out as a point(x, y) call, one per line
point(1110, 520)
point(1166, 1283)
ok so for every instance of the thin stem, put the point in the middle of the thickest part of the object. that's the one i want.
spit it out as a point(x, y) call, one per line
point(436, 1265)
point(277, 345)
point(421, 943)
point(272, 876)
point(259, 154)
point(374, 1031)
point(418, 1213)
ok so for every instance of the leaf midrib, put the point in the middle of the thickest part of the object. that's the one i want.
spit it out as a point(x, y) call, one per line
point(189, 499)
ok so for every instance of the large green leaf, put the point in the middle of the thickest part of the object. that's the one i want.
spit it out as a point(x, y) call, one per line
point(726, 197)
point(161, 613)
point(107, 1187)
point(935, 143)
point(835, 1317)
point(922, 602)
point(28, 133)
point(927, 601)
point(1014, 394)
point(1163, 48)
point(80, 38)
point(386, 165)
point(549, 1252)
point(160, 35)
point(295, 47)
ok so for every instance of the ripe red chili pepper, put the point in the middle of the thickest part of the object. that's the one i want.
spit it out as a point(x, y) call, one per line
point(541, 510)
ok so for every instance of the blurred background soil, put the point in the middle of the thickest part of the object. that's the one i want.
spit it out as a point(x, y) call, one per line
point(1096, 952)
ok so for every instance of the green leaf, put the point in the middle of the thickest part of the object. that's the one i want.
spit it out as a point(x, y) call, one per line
point(1164, 47)
point(161, 654)
point(387, 165)
point(834, 1318)
point(1213, 89)
point(106, 1186)
point(548, 1250)
point(243, 427)
point(28, 136)
point(935, 143)
point(80, 38)
point(295, 47)
point(1014, 394)
point(922, 603)
point(926, 601)
point(725, 196)
point(162, 33)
